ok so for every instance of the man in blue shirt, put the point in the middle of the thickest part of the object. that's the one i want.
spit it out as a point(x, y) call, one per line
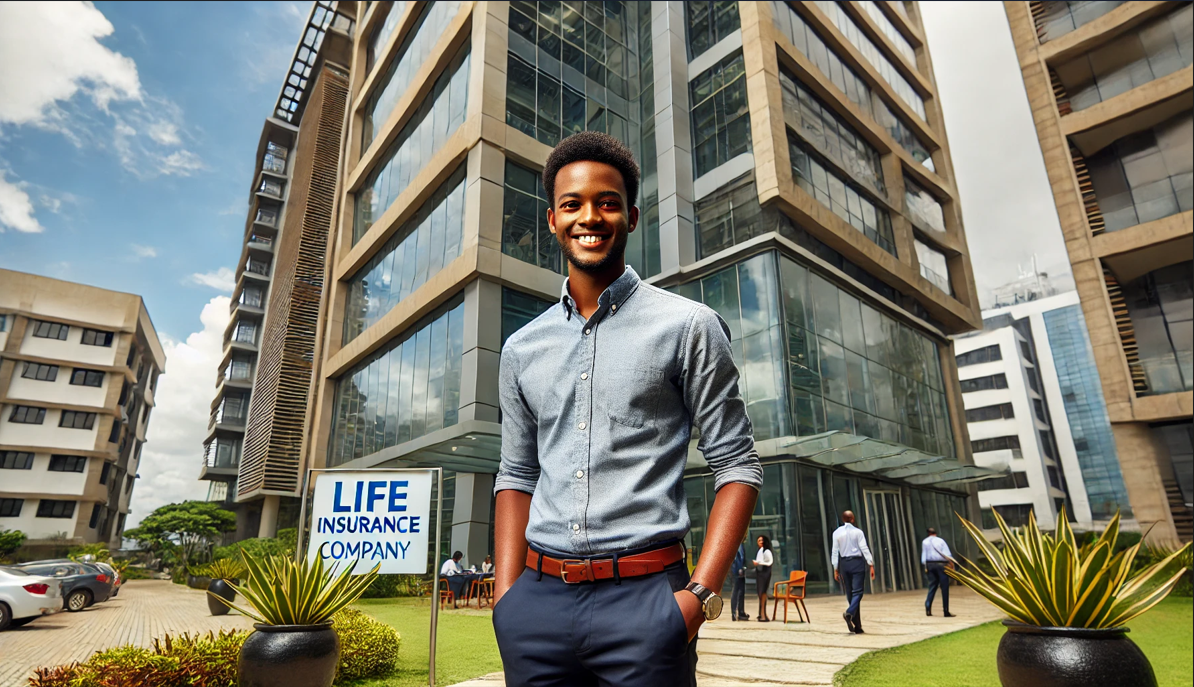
point(851, 556)
point(935, 557)
point(738, 596)
point(598, 396)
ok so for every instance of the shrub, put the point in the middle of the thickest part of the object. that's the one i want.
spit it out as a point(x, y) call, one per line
point(368, 647)
point(390, 586)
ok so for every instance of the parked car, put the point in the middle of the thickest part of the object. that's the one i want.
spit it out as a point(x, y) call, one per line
point(83, 584)
point(25, 597)
point(117, 580)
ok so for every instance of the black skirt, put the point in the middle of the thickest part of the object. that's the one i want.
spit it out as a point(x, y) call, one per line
point(763, 579)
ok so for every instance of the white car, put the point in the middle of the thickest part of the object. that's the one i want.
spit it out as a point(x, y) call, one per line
point(25, 597)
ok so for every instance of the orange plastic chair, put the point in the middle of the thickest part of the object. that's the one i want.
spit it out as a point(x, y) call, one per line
point(793, 591)
point(446, 596)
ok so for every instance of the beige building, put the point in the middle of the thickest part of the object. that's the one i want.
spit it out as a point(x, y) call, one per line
point(78, 370)
point(796, 178)
point(1112, 95)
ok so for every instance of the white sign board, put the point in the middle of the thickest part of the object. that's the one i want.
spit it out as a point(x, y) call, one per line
point(372, 516)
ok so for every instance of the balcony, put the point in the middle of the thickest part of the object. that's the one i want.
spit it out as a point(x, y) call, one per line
point(260, 243)
point(266, 217)
point(271, 188)
point(221, 457)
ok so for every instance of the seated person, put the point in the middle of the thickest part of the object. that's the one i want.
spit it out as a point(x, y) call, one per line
point(487, 566)
point(454, 571)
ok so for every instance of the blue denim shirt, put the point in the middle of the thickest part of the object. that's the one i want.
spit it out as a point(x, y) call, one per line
point(597, 416)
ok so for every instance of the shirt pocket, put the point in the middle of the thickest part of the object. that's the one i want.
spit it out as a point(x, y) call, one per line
point(631, 394)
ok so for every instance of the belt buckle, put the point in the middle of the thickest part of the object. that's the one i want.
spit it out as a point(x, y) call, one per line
point(585, 565)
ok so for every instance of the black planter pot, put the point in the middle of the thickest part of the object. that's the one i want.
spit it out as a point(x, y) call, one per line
point(1031, 656)
point(289, 656)
point(222, 589)
point(198, 581)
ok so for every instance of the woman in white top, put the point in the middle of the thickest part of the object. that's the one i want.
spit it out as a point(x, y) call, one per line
point(763, 561)
point(487, 566)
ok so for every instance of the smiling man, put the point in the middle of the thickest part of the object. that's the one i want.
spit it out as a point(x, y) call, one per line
point(598, 397)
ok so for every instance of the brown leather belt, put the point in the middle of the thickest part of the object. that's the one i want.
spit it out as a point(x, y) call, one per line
point(576, 570)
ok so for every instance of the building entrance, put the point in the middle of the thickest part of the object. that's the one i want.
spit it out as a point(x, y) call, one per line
point(890, 541)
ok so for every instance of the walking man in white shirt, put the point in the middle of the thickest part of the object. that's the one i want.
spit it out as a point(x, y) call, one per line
point(935, 557)
point(851, 557)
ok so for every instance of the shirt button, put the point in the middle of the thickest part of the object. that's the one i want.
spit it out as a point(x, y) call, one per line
point(575, 527)
point(581, 426)
point(580, 473)
point(586, 332)
point(584, 375)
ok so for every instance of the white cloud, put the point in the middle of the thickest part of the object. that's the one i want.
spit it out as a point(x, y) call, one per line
point(143, 251)
point(165, 133)
point(173, 453)
point(54, 205)
point(180, 163)
point(16, 210)
point(223, 279)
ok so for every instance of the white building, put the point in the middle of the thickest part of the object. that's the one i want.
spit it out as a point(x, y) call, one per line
point(1034, 403)
point(78, 368)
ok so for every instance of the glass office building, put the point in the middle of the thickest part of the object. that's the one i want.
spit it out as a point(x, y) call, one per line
point(793, 200)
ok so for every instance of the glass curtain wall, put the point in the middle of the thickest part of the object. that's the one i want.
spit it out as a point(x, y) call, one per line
point(1156, 49)
point(423, 246)
point(1063, 16)
point(381, 34)
point(923, 209)
point(1145, 176)
point(708, 23)
point(433, 20)
point(642, 248)
point(518, 309)
point(408, 389)
point(720, 115)
point(1162, 311)
point(436, 119)
point(893, 34)
point(806, 40)
point(933, 265)
point(525, 231)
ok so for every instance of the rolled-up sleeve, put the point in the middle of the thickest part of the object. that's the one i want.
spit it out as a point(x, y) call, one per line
point(717, 408)
point(519, 468)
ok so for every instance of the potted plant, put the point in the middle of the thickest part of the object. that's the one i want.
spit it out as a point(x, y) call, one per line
point(1068, 606)
point(222, 573)
point(293, 604)
point(196, 579)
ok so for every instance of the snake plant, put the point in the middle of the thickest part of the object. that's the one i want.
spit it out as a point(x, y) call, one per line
point(225, 569)
point(1048, 580)
point(283, 592)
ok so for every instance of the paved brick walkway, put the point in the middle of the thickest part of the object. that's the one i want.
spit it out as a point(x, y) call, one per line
point(145, 609)
point(754, 654)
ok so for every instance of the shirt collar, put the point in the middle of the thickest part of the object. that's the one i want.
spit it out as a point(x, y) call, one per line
point(615, 294)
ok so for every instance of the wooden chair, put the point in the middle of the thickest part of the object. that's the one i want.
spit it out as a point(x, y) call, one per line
point(447, 597)
point(793, 591)
point(483, 589)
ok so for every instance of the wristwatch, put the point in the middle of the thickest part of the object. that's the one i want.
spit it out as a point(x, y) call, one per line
point(710, 602)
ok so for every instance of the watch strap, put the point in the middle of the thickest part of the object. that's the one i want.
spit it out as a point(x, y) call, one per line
point(701, 592)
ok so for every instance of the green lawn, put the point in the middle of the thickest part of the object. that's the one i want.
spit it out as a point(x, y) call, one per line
point(967, 658)
point(466, 647)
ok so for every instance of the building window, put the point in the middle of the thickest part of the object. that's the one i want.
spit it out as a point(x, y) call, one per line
point(16, 460)
point(1026, 351)
point(1146, 53)
point(68, 463)
point(384, 30)
point(42, 373)
point(271, 187)
point(1018, 480)
point(416, 47)
point(81, 377)
point(1015, 515)
point(408, 389)
point(708, 23)
point(95, 513)
point(240, 369)
point(266, 216)
point(3, 322)
point(886, 69)
point(1063, 16)
point(995, 444)
point(1159, 304)
point(978, 356)
point(49, 508)
point(274, 160)
point(424, 245)
point(518, 309)
point(114, 434)
point(246, 332)
point(839, 194)
point(731, 215)
point(818, 126)
point(922, 207)
point(1145, 176)
point(11, 508)
point(222, 453)
point(997, 381)
point(1038, 407)
point(437, 117)
point(95, 337)
point(1003, 411)
point(234, 408)
point(257, 267)
point(893, 34)
point(74, 419)
point(805, 39)
point(28, 415)
point(50, 330)
point(105, 472)
point(251, 296)
point(525, 232)
point(720, 114)
point(933, 265)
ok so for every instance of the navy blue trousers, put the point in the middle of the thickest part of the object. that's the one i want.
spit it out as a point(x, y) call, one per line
point(938, 578)
point(853, 573)
point(738, 597)
point(595, 634)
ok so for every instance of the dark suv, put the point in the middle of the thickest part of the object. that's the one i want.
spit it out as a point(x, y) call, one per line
point(83, 584)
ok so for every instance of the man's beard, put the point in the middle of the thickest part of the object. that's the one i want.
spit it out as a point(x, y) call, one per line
point(616, 253)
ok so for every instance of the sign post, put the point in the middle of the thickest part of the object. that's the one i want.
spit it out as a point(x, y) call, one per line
point(375, 517)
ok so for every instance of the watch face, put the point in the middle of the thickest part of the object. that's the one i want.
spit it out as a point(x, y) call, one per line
point(712, 607)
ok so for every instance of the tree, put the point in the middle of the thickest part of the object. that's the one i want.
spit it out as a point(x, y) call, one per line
point(191, 525)
point(10, 541)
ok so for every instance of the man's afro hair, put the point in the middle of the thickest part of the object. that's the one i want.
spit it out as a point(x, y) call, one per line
point(592, 146)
